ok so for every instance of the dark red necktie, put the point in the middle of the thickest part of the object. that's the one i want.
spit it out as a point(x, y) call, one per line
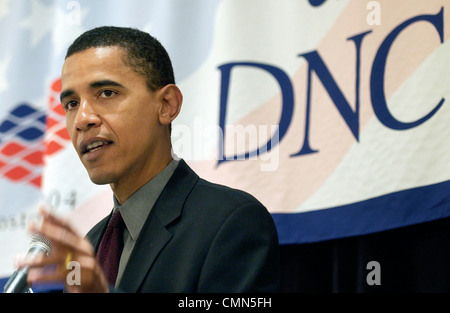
point(110, 248)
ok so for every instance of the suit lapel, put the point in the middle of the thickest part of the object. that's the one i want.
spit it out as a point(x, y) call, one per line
point(151, 241)
point(154, 235)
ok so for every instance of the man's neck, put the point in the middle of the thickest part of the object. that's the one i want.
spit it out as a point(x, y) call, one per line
point(124, 188)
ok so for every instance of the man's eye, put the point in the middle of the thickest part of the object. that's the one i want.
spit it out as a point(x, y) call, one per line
point(69, 105)
point(107, 93)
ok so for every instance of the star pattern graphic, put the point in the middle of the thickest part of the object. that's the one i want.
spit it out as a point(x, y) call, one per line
point(4, 64)
point(67, 20)
point(4, 8)
point(41, 15)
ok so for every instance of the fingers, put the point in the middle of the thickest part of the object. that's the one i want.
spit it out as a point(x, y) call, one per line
point(46, 274)
point(53, 218)
point(80, 273)
point(60, 233)
point(67, 246)
point(56, 268)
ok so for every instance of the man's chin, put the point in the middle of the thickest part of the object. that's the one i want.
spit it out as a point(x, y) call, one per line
point(100, 179)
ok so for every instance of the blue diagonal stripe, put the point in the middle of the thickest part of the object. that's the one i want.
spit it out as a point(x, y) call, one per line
point(23, 110)
point(42, 119)
point(31, 133)
point(6, 126)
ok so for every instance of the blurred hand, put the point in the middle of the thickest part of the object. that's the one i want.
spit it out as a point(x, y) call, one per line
point(67, 246)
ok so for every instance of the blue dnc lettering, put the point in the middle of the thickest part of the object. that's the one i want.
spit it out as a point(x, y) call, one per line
point(317, 65)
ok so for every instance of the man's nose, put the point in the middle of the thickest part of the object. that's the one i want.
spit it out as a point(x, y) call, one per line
point(86, 117)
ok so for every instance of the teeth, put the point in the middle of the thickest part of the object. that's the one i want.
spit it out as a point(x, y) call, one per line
point(94, 145)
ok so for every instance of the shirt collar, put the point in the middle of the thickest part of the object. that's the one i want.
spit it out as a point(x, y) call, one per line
point(137, 207)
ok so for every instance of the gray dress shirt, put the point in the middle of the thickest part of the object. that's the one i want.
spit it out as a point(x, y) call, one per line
point(136, 209)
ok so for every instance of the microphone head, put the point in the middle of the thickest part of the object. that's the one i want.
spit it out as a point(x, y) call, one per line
point(41, 242)
point(17, 283)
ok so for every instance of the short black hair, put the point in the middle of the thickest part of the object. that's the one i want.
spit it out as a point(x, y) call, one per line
point(144, 53)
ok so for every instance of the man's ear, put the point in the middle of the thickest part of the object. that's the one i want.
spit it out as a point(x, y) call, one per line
point(172, 98)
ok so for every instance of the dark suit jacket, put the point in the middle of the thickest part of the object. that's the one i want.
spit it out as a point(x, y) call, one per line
point(202, 237)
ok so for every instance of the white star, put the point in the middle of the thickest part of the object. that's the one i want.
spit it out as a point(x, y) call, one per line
point(40, 22)
point(4, 8)
point(148, 27)
point(68, 27)
point(3, 67)
point(62, 24)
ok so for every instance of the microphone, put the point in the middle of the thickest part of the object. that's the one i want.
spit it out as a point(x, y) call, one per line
point(17, 283)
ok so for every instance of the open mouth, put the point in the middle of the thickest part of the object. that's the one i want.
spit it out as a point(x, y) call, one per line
point(94, 146)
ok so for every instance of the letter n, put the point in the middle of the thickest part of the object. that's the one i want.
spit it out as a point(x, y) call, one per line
point(351, 118)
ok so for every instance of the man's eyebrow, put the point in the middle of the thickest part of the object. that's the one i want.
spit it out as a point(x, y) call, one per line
point(103, 83)
point(65, 94)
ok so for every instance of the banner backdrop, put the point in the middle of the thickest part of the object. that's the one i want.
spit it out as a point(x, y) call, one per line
point(334, 114)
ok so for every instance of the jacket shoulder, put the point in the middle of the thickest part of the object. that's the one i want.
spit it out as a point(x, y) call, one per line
point(223, 194)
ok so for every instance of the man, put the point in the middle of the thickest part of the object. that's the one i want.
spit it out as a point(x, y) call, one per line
point(180, 233)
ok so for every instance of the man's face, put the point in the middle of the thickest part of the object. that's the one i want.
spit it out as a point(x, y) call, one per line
point(111, 115)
